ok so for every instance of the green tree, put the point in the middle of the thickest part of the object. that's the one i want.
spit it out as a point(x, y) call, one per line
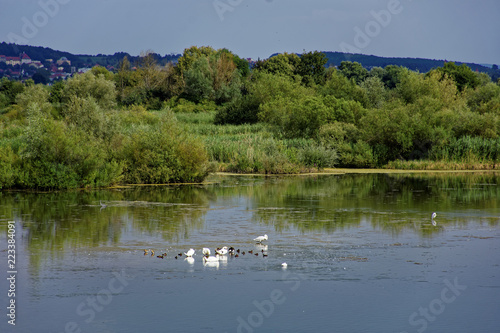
point(199, 80)
point(391, 75)
point(375, 91)
point(463, 76)
point(10, 89)
point(285, 64)
point(214, 77)
point(86, 85)
point(312, 67)
point(354, 71)
point(341, 87)
point(190, 55)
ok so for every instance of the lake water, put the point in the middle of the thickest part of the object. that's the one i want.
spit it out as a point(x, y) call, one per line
point(362, 251)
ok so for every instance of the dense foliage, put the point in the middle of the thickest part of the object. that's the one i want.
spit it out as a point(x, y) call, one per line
point(156, 123)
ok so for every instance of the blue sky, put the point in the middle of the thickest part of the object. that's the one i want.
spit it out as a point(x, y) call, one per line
point(455, 30)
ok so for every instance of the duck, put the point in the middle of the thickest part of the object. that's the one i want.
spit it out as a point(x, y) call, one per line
point(222, 251)
point(190, 253)
point(146, 251)
point(152, 253)
point(206, 251)
point(260, 239)
point(231, 250)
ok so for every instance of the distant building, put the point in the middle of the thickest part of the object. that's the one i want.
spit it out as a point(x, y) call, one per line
point(62, 61)
point(25, 59)
point(84, 69)
point(13, 61)
point(59, 76)
point(36, 64)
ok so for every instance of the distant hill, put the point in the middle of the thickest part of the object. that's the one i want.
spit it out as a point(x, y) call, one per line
point(415, 64)
point(334, 59)
point(77, 60)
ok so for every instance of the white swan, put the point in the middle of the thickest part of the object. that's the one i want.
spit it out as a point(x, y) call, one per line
point(260, 239)
point(189, 253)
point(222, 251)
point(206, 251)
point(211, 259)
point(284, 265)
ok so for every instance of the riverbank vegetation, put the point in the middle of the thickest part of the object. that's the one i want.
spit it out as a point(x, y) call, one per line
point(210, 111)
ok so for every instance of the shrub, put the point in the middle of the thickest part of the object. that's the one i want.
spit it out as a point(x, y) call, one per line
point(164, 154)
point(88, 85)
point(8, 166)
point(297, 118)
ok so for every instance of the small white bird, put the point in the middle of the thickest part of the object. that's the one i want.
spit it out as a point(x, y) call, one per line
point(284, 265)
point(222, 251)
point(189, 253)
point(260, 239)
point(433, 215)
point(206, 251)
point(211, 259)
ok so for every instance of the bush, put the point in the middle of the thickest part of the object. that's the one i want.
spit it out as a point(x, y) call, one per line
point(297, 118)
point(163, 154)
point(242, 110)
point(87, 115)
point(58, 156)
point(318, 156)
point(8, 166)
point(88, 85)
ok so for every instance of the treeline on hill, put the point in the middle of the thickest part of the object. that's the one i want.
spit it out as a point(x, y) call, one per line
point(210, 111)
point(77, 60)
point(416, 64)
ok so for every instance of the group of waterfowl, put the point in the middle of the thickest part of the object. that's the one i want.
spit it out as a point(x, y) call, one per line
point(221, 253)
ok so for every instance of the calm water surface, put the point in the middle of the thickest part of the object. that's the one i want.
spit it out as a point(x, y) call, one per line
point(363, 255)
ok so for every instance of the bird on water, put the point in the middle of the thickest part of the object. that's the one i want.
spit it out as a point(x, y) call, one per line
point(260, 239)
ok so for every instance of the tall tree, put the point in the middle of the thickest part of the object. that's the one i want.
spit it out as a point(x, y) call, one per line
point(353, 70)
point(312, 67)
point(463, 75)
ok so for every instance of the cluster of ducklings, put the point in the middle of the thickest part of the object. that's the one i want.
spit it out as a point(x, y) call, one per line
point(219, 253)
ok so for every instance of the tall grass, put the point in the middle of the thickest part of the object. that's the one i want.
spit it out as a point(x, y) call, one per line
point(253, 148)
point(464, 153)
